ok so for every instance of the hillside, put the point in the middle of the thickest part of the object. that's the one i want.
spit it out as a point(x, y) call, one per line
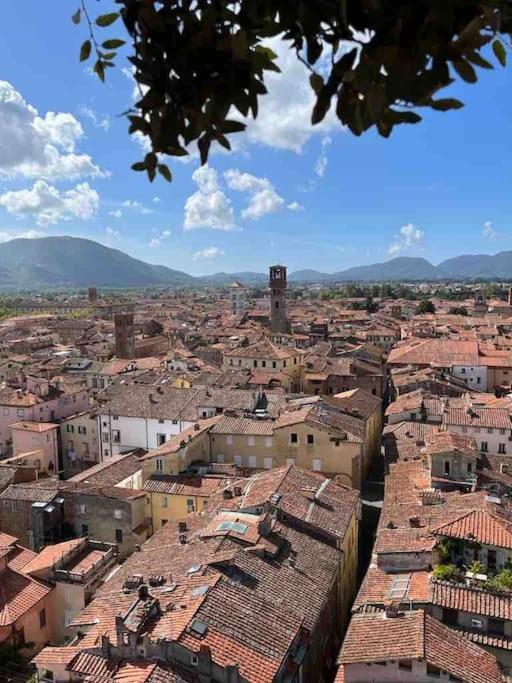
point(400, 268)
point(478, 266)
point(76, 262)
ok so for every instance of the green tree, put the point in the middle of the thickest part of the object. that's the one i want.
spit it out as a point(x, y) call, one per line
point(458, 310)
point(425, 306)
point(200, 65)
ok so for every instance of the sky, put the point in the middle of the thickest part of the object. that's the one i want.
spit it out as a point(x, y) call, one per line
point(308, 196)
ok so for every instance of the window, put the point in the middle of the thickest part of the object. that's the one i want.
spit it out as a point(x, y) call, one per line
point(159, 465)
point(433, 671)
point(490, 430)
point(175, 422)
point(496, 626)
point(106, 452)
point(229, 440)
point(294, 438)
point(70, 428)
point(317, 465)
point(164, 501)
point(6, 411)
point(118, 514)
point(82, 509)
point(82, 430)
point(20, 412)
point(255, 363)
point(190, 505)
point(194, 660)
point(263, 363)
point(119, 535)
point(104, 437)
point(446, 468)
point(476, 430)
point(42, 618)
point(274, 364)
point(501, 448)
point(116, 436)
point(160, 439)
point(253, 461)
point(502, 431)
point(469, 467)
point(237, 459)
point(160, 421)
point(85, 530)
point(405, 665)
point(250, 441)
point(220, 458)
point(476, 623)
point(484, 446)
point(267, 463)
point(311, 439)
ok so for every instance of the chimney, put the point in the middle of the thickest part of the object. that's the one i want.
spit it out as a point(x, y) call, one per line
point(237, 491)
point(150, 398)
point(143, 592)
point(183, 539)
point(182, 527)
point(392, 611)
point(227, 494)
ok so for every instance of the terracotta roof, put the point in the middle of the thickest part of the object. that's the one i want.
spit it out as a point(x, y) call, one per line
point(51, 554)
point(471, 599)
point(18, 595)
point(416, 635)
point(480, 525)
point(34, 426)
point(182, 485)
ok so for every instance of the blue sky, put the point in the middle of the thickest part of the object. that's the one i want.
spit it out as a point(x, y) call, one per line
point(313, 197)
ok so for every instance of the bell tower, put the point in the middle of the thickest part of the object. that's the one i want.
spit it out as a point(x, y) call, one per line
point(278, 299)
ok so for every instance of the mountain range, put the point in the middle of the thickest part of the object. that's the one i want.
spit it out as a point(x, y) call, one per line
point(49, 262)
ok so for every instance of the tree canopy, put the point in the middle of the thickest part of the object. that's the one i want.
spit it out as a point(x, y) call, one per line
point(200, 64)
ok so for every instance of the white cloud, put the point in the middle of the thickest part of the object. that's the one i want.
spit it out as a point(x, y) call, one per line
point(489, 232)
point(156, 199)
point(284, 117)
point(48, 205)
point(28, 235)
point(408, 237)
point(98, 120)
point(295, 206)
point(112, 235)
point(157, 240)
point(263, 197)
point(43, 147)
point(136, 206)
point(321, 163)
point(208, 252)
point(208, 207)
point(116, 213)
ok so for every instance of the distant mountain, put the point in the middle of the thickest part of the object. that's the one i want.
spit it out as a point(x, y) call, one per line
point(400, 268)
point(478, 266)
point(225, 279)
point(76, 262)
point(309, 275)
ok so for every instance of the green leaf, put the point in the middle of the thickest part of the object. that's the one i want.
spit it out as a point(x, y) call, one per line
point(151, 173)
point(164, 171)
point(107, 19)
point(230, 126)
point(85, 50)
point(499, 52)
point(77, 16)
point(113, 44)
point(465, 71)
point(316, 82)
point(151, 160)
point(99, 69)
point(139, 166)
point(446, 104)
